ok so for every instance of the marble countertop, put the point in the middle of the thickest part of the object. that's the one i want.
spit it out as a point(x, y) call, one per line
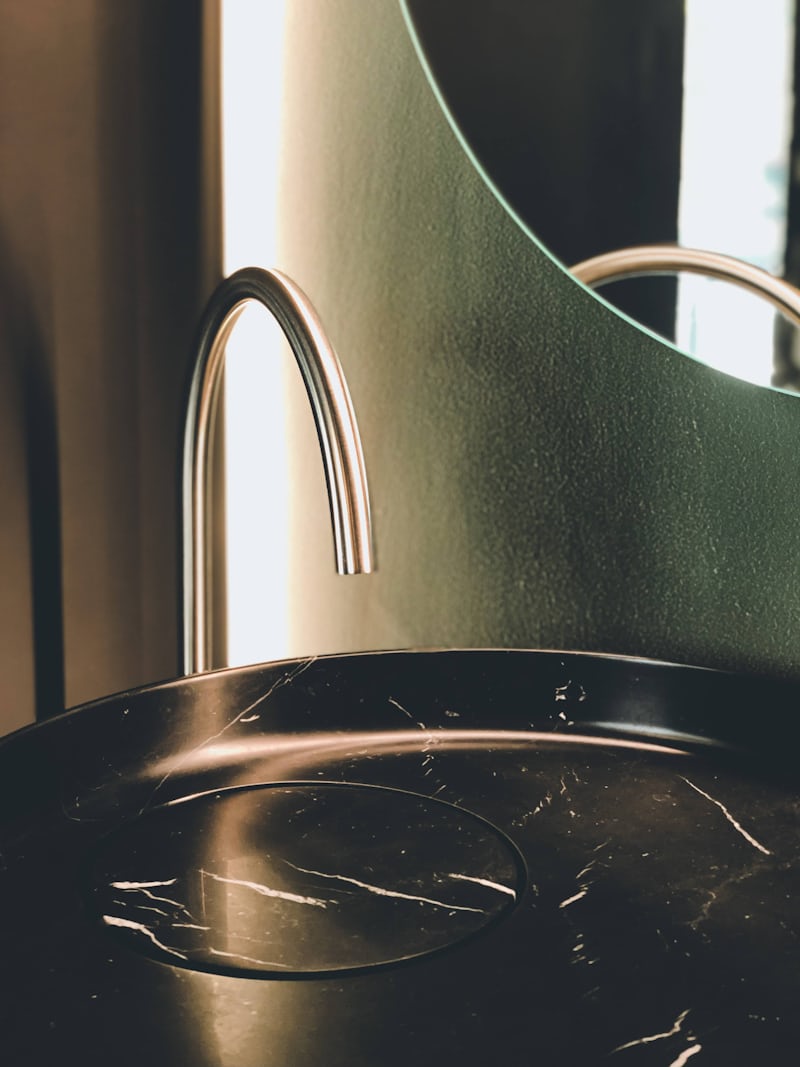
point(396, 858)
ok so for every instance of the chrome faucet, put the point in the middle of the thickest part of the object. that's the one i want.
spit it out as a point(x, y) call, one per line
point(642, 260)
point(337, 430)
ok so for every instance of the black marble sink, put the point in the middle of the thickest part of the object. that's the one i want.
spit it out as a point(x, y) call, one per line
point(407, 858)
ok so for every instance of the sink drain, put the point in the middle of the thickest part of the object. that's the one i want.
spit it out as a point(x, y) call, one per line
point(302, 879)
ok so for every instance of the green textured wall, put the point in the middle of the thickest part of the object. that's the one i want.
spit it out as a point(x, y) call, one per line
point(544, 473)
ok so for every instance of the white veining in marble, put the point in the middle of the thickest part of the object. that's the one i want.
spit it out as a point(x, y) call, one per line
point(382, 892)
point(246, 714)
point(577, 896)
point(407, 713)
point(140, 928)
point(650, 1038)
point(686, 1055)
point(145, 885)
point(137, 889)
point(432, 739)
point(143, 907)
point(734, 822)
point(485, 882)
point(245, 959)
point(267, 891)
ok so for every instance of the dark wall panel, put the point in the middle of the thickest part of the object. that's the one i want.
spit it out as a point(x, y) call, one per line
point(108, 245)
point(545, 474)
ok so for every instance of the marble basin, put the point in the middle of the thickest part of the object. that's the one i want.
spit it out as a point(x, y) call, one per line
point(437, 857)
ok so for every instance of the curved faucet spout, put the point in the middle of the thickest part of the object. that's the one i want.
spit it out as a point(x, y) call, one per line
point(337, 430)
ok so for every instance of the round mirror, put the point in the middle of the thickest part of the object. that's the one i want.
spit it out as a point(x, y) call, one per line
point(605, 126)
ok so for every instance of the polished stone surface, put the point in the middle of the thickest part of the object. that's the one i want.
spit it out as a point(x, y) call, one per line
point(318, 877)
point(627, 833)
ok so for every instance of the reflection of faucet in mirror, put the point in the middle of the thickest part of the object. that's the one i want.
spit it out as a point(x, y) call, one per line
point(670, 259)
point(645, 260)
point(336, 425)
point(659, 135)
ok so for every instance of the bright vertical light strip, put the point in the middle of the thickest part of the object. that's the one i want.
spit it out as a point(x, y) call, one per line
point(737, 112)
point(256, 475)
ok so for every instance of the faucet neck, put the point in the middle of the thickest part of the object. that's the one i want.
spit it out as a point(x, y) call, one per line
point(335, 421)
